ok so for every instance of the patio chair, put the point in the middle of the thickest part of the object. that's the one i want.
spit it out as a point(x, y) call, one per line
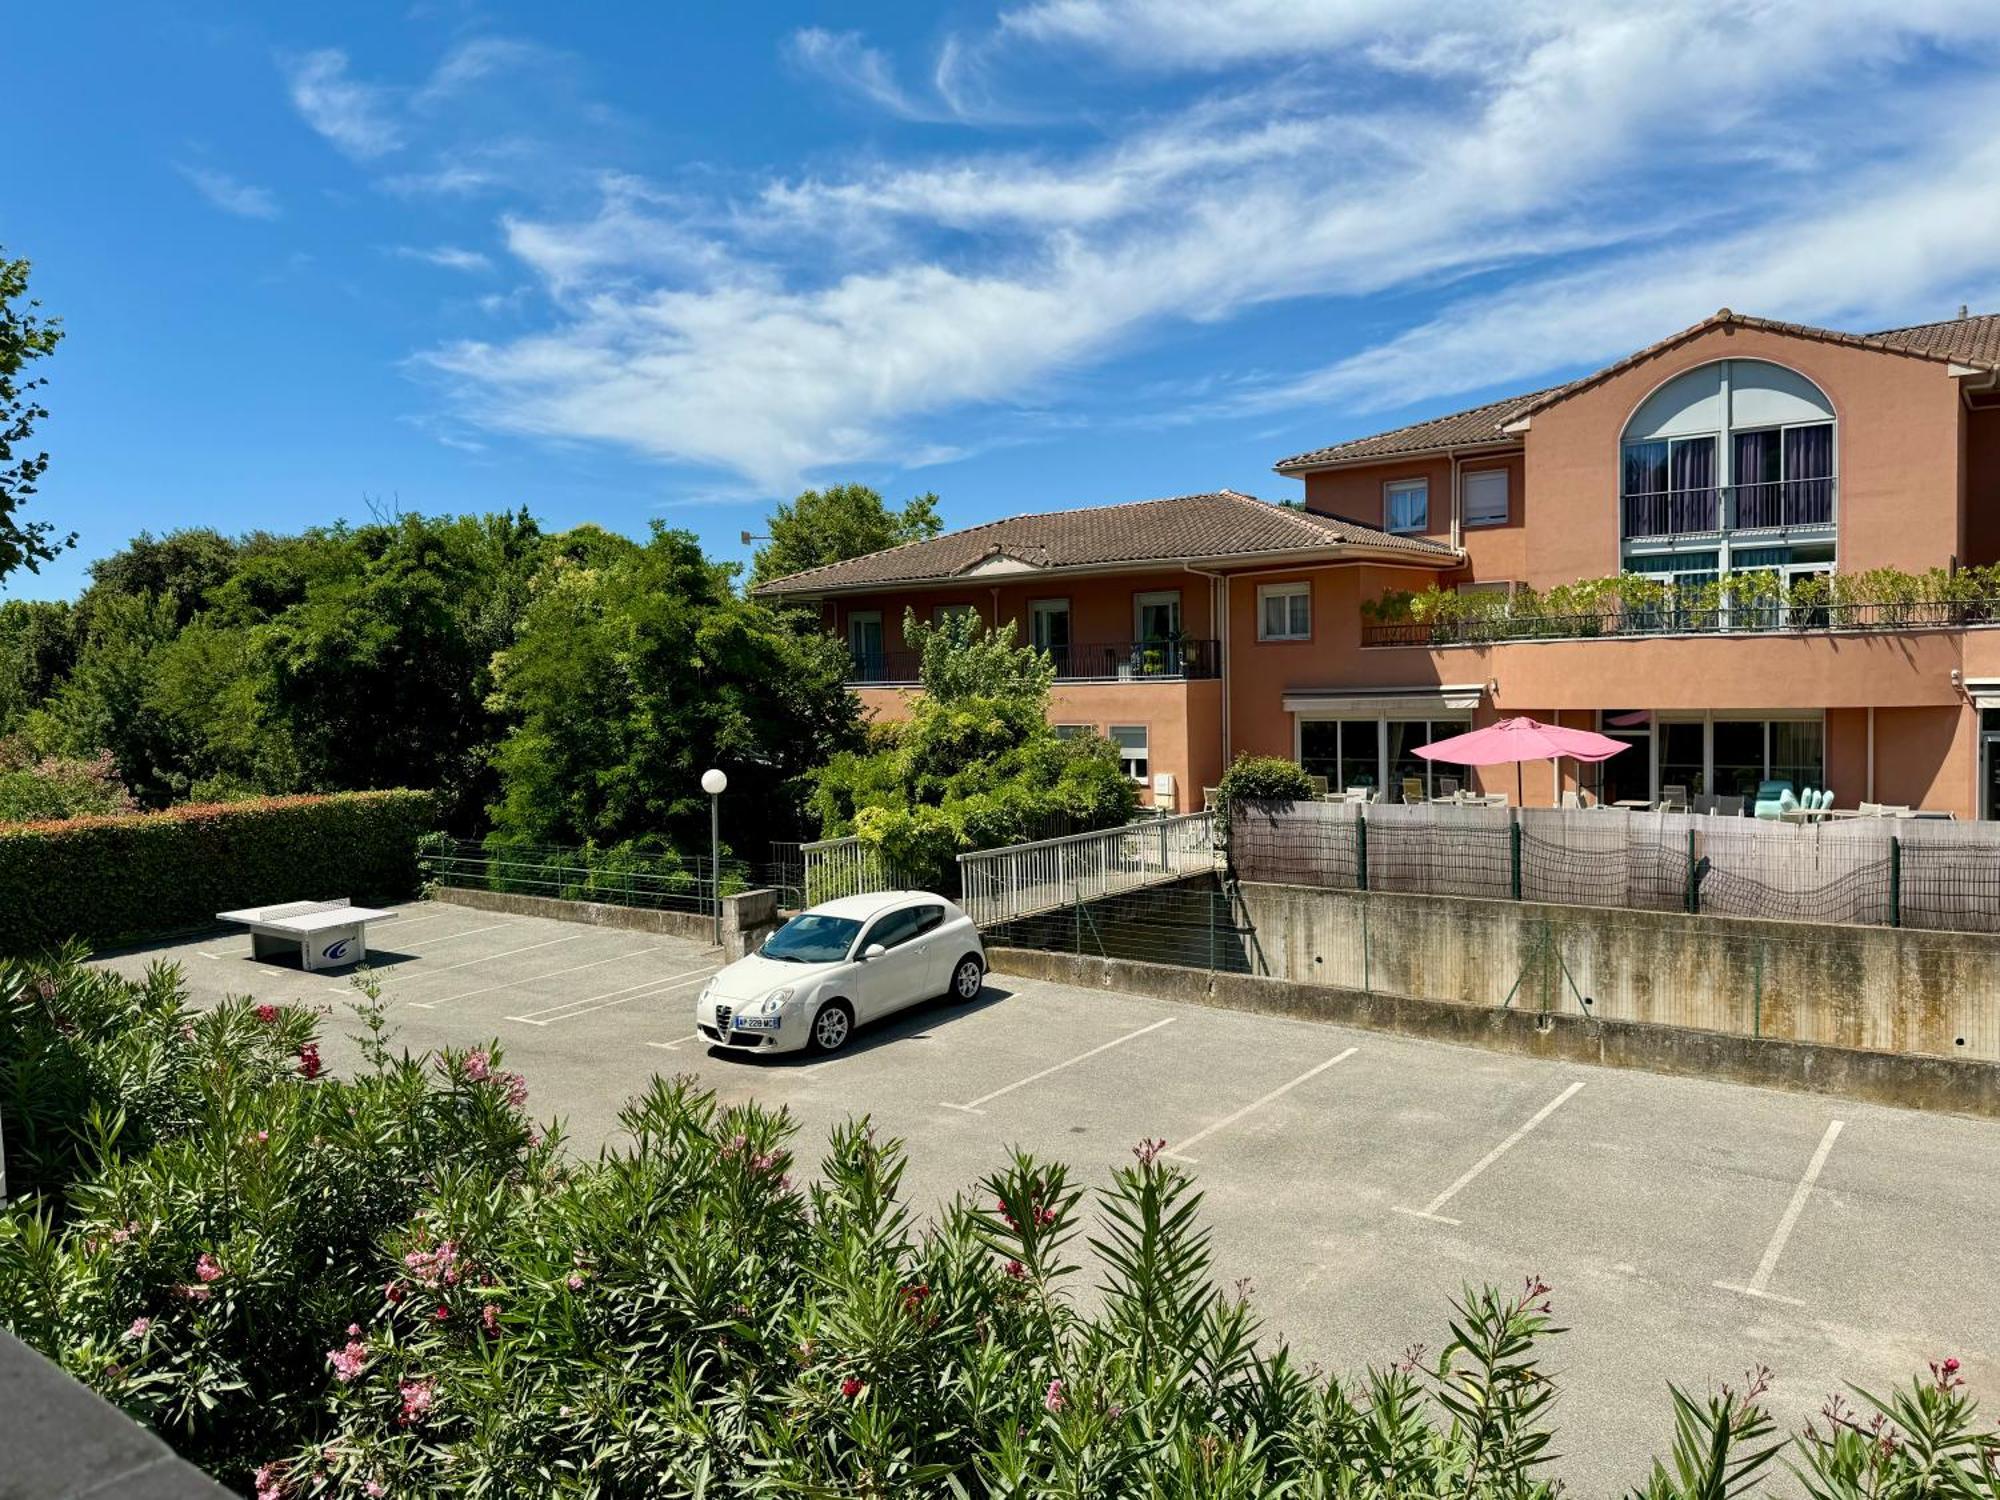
point(1673, 798)
point(1361, 794)
point(1413, 790)
point(1704, 803)
point(1572, 801)
point(1729, 807)
point(1319, 785)
point(1870, 809)
point(1447, 786)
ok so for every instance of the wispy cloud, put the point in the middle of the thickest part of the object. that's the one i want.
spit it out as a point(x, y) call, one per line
point(1587, 199)
point(357, 117)
point(448, 257)
point(231, 195)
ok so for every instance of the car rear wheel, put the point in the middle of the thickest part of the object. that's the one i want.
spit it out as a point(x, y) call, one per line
point(967, 979)
point(832, 1026)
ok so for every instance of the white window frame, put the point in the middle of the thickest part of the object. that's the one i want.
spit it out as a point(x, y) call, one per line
point(866, 617)
point(1394, 487)
point(1038, 610)
point(1506, 496)
point(1073, 731)
point(1143, 775)
point(1286, 591)
point(942, 612)
point(1156, 596)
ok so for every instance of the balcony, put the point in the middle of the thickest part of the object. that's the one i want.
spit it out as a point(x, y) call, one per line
point(1184, 660)
point(1781, 505)
point(1772, 618)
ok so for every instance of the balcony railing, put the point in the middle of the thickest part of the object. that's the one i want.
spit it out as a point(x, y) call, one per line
point(1183, 660)
point(1774, 618)
point(1775, 505)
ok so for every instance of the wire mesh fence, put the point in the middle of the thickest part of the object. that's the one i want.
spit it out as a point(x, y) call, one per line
point(1876, 871)
point(657, 879)
point(1193, 925)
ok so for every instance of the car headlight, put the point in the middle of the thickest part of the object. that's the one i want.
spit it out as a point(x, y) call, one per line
point(774, 1002)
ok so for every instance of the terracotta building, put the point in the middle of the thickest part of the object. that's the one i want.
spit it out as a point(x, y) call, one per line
point(1194, 629)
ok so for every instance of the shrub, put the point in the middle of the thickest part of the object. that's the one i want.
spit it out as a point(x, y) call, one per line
point(35, 788)
point(1265, 778)
point(107, 879)
point(386, 1286)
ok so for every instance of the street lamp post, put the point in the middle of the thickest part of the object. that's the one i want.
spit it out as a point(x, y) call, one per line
point(715, 783)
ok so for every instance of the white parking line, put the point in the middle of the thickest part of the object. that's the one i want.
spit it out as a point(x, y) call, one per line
point(509, 984)
point(467, 963)
point(676, 1042)
point(547, 1015)
point(1430, 1210)
point(1255, 1104)
point(1761, 1278)
point(974, 1109)
point(452, 937)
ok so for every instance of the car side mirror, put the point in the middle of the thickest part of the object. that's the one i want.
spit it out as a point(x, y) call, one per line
point(873, 950)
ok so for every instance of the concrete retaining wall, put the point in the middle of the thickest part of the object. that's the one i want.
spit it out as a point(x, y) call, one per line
point(1874, 989)
point(1949, 1084)
point(682, 924)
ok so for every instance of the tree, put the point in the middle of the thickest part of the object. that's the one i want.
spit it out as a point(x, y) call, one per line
point(24, 336)
point(632, 675)
point(976, 765)
point(836, 523)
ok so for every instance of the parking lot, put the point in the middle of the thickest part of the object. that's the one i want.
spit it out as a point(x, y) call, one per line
point(1690, 1229)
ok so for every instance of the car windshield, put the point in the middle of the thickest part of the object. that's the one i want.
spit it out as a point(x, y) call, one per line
point(812, 939)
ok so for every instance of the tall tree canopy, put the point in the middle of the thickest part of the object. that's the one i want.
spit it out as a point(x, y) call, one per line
point(836, 523)
point(632, 674)
point(24, 336)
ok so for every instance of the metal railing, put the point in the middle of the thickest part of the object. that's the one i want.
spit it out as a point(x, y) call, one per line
point(1770, 505)
point(1764, 617)
point(659, 880)
point(1001, 885)
point(1184, 660)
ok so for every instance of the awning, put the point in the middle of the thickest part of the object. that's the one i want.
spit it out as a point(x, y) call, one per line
point(1386, 703)
point(1983, 691)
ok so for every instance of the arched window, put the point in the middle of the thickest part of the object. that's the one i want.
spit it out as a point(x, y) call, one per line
point(1729, 465)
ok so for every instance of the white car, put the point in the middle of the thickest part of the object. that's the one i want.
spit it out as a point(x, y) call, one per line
point(839, 966)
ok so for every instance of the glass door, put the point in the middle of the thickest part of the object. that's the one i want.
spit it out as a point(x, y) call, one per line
point(1048, 631)
point(1989, 789)
point(864, 645)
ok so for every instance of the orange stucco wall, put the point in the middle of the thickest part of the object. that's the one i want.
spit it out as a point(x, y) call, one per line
point(1494, 553)
point(1101, 607)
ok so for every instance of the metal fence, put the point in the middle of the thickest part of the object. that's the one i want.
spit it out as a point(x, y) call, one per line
point(661, 880)
point(1894, 872)
point(848, 867)
point(1000, 885)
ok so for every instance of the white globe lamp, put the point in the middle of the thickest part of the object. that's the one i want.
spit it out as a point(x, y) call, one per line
point(715, 783)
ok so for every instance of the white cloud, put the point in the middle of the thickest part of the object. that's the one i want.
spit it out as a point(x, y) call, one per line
point(448, 257)
point(847, 60)
point(230, 195)
point(356, 117)
point(1545, 148)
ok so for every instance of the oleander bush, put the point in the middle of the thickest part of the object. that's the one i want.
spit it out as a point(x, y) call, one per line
point(385, 1286)
point(107, 879)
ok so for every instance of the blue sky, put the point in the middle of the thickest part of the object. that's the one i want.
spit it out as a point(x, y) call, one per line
point(615, 262)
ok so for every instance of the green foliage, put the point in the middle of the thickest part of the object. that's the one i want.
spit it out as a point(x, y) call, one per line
point(975, 766)
point(629, 678)
point(36, 789)
point(104, 879)
point(1265, 778)
point(37, 649)
point(836, 523)
point(960, 657)
point(24, 336)
point(1751, 599)
point(386, 1284)
point(216, 1212)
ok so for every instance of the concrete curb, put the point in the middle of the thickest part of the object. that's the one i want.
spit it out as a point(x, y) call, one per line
point(681, 924)
point(1908, 1082)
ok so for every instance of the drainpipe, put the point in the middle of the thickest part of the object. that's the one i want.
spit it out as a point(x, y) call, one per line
point(1457, 510)
point(1218, 611)
point(993, 610)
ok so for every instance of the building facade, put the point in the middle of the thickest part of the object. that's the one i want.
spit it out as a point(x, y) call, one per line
point(1839, 467)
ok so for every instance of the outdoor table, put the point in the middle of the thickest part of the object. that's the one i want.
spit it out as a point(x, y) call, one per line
point(326, 934)
point(1635, 804)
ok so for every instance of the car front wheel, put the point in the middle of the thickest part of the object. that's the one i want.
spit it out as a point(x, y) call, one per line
point(832, 1026)
point(967, 978)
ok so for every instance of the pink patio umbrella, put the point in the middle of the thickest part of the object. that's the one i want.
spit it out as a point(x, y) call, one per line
point(1519, 740)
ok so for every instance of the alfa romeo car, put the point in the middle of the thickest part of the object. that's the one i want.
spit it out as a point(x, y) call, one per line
point(840, 966)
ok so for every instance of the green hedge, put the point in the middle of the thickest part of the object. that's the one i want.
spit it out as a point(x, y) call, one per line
point(109, 879)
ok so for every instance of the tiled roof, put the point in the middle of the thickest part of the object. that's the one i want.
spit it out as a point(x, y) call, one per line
point(1969, 340)
point(1458, 429)
point(1221, 525)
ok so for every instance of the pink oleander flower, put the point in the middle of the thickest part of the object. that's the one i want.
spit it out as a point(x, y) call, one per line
point(1148, 1151)
point(442, 1315)
point(266, 1013)
point(516, 1087)
point(120, 1236)
point(1016, 1270)
point(434, 1267)
point(850, 1388)
point(206, 1268)
point(138, 1328)
point(1052, 1398)
point(478, 1066)
point(575, 1282)
point(309, 1063)
point(194, 1293)
point(393, 1292)
point(349, 1361)
point(375, 1489)
point(418, 1396)
point(489, 1317)
point(270, 1481)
